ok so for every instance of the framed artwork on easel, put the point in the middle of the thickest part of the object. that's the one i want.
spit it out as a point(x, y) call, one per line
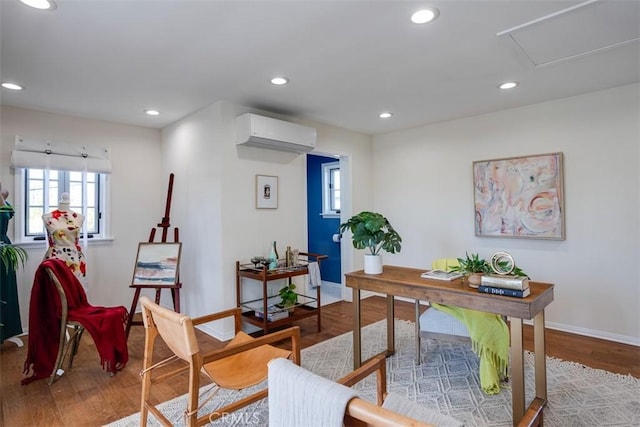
point(157, 264)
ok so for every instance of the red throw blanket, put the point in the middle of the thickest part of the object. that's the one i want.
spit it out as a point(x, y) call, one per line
point(105, 324)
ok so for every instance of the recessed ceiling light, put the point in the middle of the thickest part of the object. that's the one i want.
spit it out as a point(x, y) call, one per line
point(11, 86)
point(385, 115)
point(279, 81)
point(152, 112)
point(507, 85)
point(425, 15)
point(40, 4)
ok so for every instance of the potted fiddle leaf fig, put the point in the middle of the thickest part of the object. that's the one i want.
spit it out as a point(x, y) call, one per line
point(373, 232)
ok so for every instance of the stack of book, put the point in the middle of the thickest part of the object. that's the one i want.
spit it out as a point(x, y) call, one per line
point(274, 313)
point(511, 286)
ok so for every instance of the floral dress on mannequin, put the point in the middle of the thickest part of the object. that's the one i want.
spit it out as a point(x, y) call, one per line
point(63, 231)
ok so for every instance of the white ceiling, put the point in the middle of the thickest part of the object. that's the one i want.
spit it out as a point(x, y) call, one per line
point(347, 60)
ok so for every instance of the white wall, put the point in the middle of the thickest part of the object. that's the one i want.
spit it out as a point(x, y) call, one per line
point(215, 201)
point(137, 196)
point(425, 189)
point(422, 183)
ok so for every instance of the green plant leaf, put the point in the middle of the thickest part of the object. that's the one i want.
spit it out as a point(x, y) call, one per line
point(12, 257)
point(288, 296)
point(472, 264)
point(372, 231)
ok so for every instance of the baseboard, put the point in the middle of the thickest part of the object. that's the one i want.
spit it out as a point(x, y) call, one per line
point(331, 284)
point(602, 335)
point(207, 329)
point(607, 336)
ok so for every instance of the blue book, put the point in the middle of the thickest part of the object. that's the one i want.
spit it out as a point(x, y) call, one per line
point(505, 292)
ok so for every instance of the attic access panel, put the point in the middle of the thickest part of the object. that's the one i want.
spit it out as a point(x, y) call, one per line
point(583, 29)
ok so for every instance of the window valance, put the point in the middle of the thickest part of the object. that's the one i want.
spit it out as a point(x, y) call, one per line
point(38, 154)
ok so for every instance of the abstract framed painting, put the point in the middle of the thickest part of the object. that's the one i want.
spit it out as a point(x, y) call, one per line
point(521, 197)
point(157, 264)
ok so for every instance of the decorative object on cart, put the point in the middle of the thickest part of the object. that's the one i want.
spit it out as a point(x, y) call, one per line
point(258, 260)
point(288, 295)
point(290, 261)
point(273, 256)
point(12, 256)
point(473, 267)
point(520, 197)
point(372, 231)
point(266, 192)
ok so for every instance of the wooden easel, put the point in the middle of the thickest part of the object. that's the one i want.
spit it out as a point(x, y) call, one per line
point(175, 289)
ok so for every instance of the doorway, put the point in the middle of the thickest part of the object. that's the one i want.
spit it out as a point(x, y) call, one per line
point(323, 221)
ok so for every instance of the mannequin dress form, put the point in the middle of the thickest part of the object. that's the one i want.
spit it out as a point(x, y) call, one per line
point(10, 309)
point(63, 234)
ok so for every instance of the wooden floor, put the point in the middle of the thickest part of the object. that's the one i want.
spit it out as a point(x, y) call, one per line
point(87, 396)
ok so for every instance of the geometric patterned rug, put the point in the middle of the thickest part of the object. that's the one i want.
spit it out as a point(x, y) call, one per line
point(447, 381)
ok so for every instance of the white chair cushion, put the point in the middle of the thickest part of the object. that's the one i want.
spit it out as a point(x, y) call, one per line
point(434, 320)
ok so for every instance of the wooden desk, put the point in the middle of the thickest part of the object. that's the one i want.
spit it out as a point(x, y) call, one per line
point(406, 282)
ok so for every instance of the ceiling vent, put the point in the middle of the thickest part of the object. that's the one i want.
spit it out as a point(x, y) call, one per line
point(257, 131)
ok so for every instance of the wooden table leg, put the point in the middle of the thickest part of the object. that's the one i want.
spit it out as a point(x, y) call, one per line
point(417, 332)
point(540, 360)
point(540, 356)
point(391, 332)
point(319, 305)
point(357, 350)
point(517, 370)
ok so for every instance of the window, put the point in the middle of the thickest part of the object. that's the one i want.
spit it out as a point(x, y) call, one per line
point(44, 170)
point(331, 189)
point(41, 191)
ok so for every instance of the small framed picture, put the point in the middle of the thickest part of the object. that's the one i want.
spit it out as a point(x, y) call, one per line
point(157, 264)
point(266, 192)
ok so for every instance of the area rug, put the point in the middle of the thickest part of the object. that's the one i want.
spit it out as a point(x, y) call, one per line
point(447, 381)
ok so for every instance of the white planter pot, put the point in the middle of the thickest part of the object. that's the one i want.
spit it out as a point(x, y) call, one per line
point(373, 264)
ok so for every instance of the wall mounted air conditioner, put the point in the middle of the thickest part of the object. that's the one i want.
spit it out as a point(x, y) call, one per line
point(253, 130)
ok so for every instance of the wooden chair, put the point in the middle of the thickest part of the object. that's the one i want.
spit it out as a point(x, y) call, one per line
point(70, 332)
point(59, 313)
point(240, 364)
point(390, 410)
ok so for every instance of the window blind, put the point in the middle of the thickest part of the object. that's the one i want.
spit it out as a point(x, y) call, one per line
point(38, 154)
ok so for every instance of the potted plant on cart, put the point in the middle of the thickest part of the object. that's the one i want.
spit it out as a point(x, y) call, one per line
point(288, 297)
point(373, 232)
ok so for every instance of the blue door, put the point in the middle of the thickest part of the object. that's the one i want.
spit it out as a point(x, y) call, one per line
point(321, 229)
